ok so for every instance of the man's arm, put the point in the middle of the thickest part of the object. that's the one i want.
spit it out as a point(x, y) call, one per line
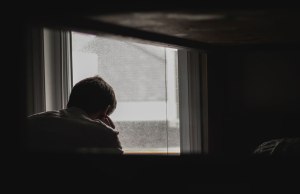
point(108, 121)
point(115, 139)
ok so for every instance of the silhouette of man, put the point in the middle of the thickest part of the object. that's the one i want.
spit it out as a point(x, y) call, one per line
point(84, 126)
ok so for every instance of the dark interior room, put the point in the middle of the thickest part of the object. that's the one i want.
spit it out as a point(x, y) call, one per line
point(248, 86)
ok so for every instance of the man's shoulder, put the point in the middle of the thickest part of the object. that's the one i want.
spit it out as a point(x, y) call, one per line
point(62, 113)
point(44, 114)
point(65, 119)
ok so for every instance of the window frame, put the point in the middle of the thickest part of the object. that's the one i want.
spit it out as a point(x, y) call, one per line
point(58, 68)
point(35, 71)
point(193, 111)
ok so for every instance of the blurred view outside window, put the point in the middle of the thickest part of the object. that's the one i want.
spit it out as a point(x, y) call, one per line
point(145, 80)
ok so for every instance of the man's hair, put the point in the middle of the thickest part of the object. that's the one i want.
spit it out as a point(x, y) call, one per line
point(92, 95)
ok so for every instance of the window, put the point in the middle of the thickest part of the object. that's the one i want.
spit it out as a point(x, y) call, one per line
point(145, 80)
point(161, 92)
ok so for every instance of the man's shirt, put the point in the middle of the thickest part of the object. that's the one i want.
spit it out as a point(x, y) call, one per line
point(70, 130)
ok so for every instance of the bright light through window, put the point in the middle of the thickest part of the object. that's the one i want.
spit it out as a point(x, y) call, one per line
point(145, 81)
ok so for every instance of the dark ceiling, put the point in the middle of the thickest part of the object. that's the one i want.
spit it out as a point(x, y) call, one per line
point(210, 22)
point(250, 26)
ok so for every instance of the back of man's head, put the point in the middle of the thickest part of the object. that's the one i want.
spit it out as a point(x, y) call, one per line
point(92, 94)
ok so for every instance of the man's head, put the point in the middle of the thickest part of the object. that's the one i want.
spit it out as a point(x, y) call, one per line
point(93, 95)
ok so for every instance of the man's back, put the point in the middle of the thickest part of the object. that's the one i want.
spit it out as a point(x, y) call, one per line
point(70, 130)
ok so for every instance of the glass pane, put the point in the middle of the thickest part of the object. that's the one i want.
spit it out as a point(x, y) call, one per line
point(144, 78)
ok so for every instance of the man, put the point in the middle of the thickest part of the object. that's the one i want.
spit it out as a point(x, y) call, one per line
point(84, 126)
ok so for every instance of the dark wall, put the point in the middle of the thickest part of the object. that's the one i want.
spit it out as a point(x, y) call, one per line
point(253, 96)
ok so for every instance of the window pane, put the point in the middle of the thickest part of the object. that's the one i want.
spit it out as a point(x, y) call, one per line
point(144, 78)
